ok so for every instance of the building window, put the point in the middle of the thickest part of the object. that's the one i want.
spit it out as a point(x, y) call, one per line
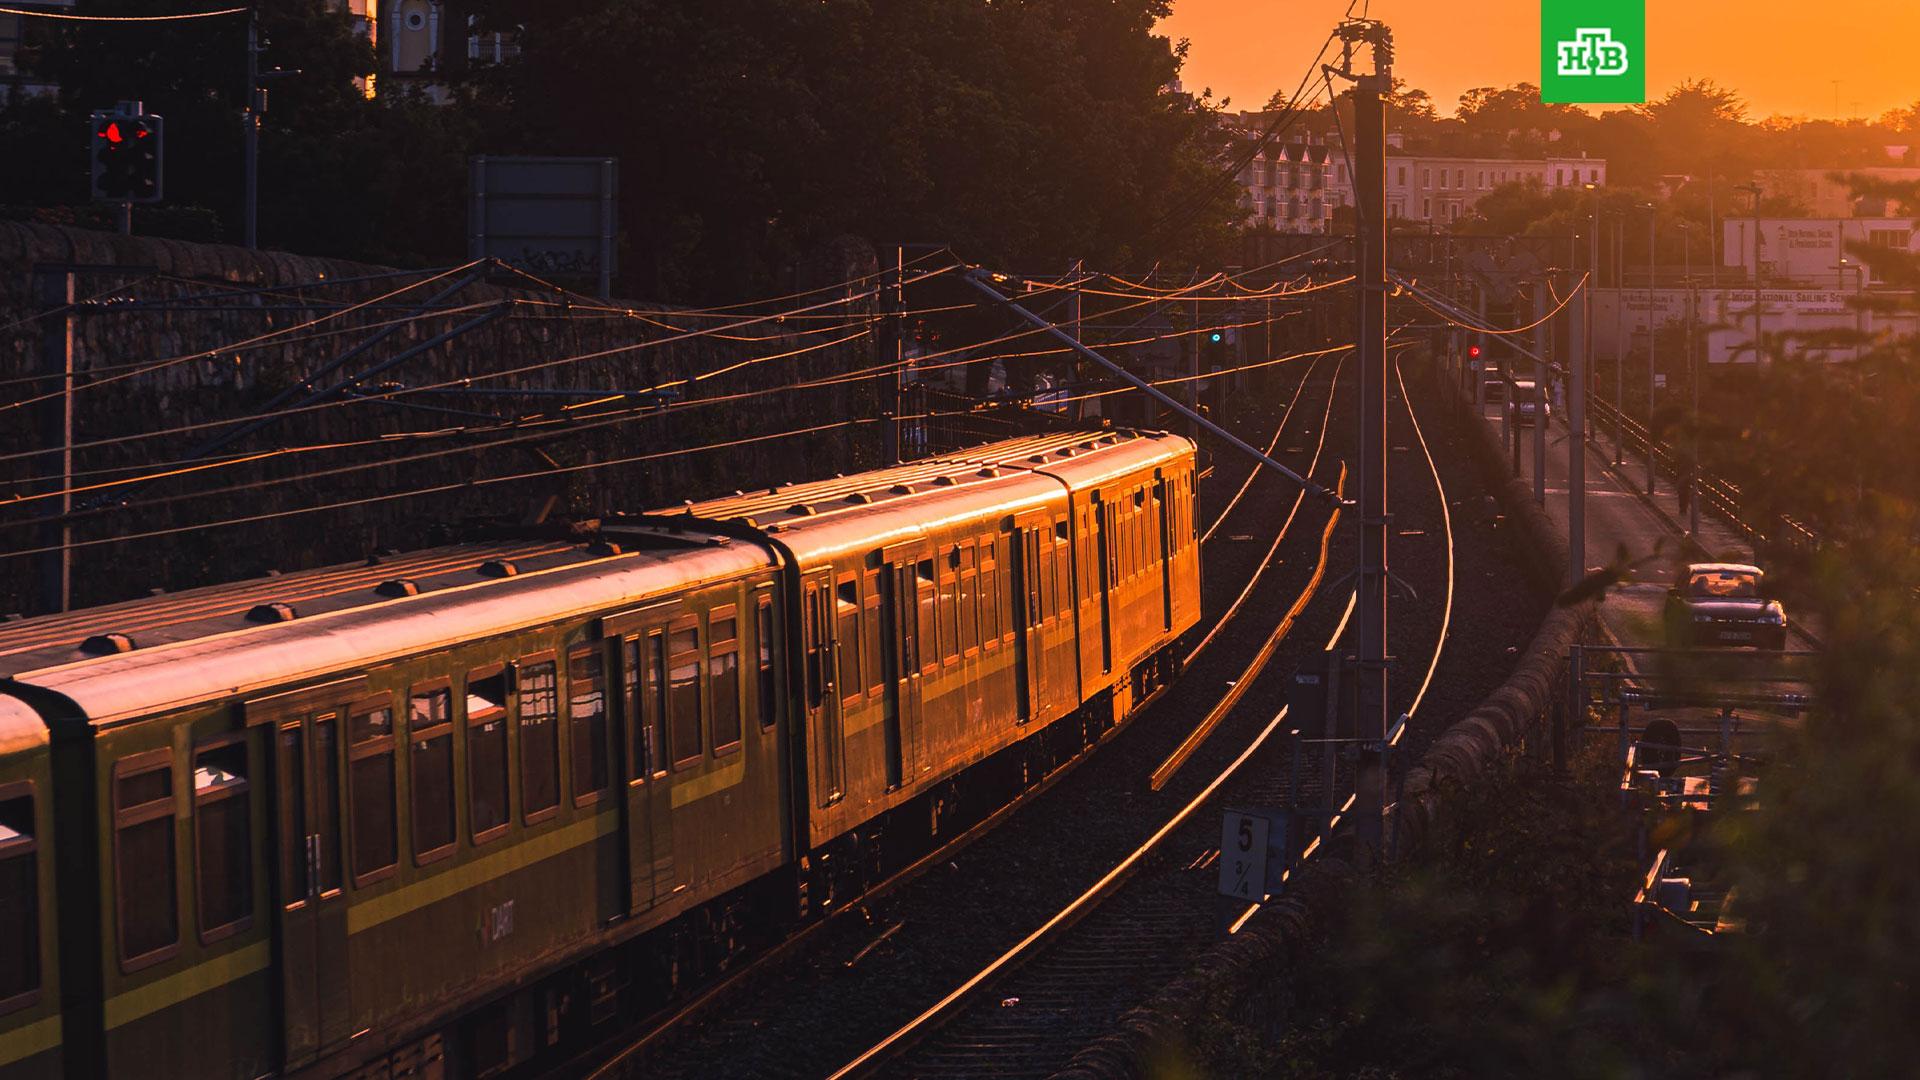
point(1593, 175)
point(1559, 177)
point(19, 899)
point(1889, 238)
point(683, 692)
point(723, 678)
point(538, 693)
point(487, 811)
point(144, 860)
point(587, 716)
point(1426, 208)
point(1426, 177)
point(1482, 178)
point(430, 771)
point(222, 839)
point(370, 791)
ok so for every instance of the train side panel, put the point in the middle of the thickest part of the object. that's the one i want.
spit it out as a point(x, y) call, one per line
point(30, 1028)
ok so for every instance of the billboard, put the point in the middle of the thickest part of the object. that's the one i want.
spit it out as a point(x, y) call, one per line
point(550, 216)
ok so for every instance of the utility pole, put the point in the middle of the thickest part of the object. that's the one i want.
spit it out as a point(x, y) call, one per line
point(1580, 346)
point(1653, 338)
point(1754, 190)
point(893, 350)
point(1193, 384)
point(1541, 334)
point(1619, 340)
point(1693, 388)
point(1370, 281)
point(1074, 313)
point(55, 568)
point(250, 121)
point(250, 213)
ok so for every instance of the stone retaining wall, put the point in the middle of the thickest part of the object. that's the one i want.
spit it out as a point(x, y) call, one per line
point(155, 300)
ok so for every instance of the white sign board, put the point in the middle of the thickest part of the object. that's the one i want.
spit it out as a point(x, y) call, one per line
point(1243, 855)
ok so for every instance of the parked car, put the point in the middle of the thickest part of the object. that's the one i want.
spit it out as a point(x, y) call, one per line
point(1522, 405)
point(1724, 604)
point(1496, 383)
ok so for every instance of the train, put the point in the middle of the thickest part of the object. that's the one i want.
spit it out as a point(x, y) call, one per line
point(465, 811)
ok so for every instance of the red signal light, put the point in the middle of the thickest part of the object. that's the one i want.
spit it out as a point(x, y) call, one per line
point(1473, 352)
point(111, 133)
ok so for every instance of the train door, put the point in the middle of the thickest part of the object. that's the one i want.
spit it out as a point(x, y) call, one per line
point(823, 694)
point(1104, 552)
point(316, 1013)
point(647, 809)
point(1163, 515)
point(900, 603)
point(1029, 540)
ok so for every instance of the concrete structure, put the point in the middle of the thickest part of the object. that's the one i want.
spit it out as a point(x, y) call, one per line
point(1812, 252)
point(1723, 319)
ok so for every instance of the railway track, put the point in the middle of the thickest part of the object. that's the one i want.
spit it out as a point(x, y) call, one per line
point(718, 1002)
point(1025, 1013)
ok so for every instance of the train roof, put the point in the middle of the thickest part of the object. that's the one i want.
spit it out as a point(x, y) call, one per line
point(172, 650)
point(895, 504)
point(199, 645)
point(21, 729)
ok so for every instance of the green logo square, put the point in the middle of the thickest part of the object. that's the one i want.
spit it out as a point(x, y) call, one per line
point(1593, 51)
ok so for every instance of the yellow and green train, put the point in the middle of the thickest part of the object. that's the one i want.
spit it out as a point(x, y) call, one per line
point(461, 811)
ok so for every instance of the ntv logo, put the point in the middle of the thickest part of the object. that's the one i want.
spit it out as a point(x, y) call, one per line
point(1592, 52)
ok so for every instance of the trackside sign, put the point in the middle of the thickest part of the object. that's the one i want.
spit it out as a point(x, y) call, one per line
point(1593, 51)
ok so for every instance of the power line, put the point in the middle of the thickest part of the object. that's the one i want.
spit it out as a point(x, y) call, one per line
point(63, 17)
point(440, 488)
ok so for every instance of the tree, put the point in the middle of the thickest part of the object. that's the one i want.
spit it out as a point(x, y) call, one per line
point(1024, 133)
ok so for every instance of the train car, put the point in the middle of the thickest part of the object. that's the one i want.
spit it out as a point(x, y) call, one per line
point(447, 812)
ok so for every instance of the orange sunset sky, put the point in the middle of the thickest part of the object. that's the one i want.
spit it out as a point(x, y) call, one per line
point(1781, 55)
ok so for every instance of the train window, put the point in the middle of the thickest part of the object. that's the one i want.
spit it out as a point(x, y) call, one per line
point(950, 606)
point(683, 692)
point(144, 858)
point(370, 791)
point(969, 600)
point(537, 691)
point(812, 627)
point(656, 691)
point(989, 593)
point(929, 634)
point(19, 899)
point(870, 641)
point(768, 682)
point(222, 839)
point(846, 610)
point(587, 713)
point(723, 678)
point(430, 771)
point(487, 810)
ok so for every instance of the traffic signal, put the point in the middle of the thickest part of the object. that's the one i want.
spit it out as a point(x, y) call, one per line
point(1473, 352)
point(128, 157)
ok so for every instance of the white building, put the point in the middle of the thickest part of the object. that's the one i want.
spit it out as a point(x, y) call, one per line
point(1811, 251)
point(1295, 186)
point(1286, 187)
point(1442, 190)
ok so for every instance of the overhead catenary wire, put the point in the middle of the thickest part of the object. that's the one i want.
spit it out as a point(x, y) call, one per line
point(183, 16)
point(251, 519)
point(574, 425)
point(647, 411)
